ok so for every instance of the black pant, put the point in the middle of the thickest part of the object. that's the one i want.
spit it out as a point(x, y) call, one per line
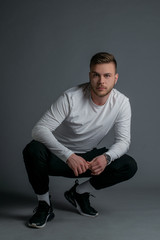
point(41, 163)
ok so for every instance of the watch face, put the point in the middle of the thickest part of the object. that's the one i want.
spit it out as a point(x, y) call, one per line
point(108, 158)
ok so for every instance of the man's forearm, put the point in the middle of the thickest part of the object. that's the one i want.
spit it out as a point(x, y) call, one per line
point(45, 136)
point(118, 149)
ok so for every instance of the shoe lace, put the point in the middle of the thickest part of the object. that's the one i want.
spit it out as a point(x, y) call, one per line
point(77, 182)
point(91, 195)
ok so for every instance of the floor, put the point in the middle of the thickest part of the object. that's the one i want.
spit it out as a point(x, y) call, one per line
point(124, 214)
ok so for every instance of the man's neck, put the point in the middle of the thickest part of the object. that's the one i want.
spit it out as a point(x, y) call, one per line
point(99, 100)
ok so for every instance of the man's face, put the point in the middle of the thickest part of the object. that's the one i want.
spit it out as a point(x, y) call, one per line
point(103, 77)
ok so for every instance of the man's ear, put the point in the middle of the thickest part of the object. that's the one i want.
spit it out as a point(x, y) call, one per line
point(116, 78)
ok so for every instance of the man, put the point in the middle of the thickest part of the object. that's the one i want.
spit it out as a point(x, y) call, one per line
point(66, 137)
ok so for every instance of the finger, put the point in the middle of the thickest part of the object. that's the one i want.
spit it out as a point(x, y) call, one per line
point(75, 172)
point(97, 169)
point(90, 165)
point(93, 160)
point(84, 167)
point(79, 171)
point(80, 168)
point(93, 163)
point(96, 173)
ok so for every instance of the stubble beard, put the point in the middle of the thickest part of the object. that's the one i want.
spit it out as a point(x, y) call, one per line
point(97, 93)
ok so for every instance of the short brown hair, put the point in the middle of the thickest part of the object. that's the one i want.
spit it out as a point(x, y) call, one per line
point(103, 57)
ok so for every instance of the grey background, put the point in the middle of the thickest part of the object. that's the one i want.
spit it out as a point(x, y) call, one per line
point(45, 48)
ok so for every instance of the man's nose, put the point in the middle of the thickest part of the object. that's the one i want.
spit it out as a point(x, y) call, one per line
point(101, 79)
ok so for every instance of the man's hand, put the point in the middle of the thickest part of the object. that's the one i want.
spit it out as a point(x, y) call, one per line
point(98, 164)
point(77, 164)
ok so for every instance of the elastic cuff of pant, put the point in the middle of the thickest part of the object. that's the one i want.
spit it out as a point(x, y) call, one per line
point(41, 192)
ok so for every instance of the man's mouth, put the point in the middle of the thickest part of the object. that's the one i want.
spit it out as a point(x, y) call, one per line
point(101, 88)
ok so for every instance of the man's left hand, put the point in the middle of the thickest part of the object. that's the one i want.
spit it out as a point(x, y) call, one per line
point(98, 164)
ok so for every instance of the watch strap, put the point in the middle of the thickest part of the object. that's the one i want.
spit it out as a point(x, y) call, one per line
point(108, 158)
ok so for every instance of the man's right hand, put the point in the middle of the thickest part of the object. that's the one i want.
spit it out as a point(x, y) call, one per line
point(77, 164)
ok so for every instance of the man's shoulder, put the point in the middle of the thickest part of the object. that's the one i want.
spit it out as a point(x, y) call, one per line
point(118, 99)
point(118, 94)
point(77, 90)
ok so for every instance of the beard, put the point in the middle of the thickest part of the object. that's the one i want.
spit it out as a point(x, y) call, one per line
point(106, 91)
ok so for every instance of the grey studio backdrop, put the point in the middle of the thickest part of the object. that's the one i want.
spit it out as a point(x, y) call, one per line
point(45, 48)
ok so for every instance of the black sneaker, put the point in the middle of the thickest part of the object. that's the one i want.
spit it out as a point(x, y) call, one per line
point(80, 201)
point(43, 213)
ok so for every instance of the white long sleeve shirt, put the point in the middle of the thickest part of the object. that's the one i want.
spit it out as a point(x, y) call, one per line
point(75, 124)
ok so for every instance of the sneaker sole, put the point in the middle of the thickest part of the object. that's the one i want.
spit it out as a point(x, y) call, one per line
point(49, 218)
point(75, 204)
point(84, 214)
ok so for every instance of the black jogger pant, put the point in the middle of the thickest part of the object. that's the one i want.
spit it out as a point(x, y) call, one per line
point(41, 163)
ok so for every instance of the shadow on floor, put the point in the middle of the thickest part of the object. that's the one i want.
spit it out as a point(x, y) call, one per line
point(19, 206)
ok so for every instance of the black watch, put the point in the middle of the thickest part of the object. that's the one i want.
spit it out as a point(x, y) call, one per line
point(108, 158)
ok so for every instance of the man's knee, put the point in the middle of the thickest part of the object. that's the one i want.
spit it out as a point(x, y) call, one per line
point(130, 166)
point(33, 150)
point(125, 167)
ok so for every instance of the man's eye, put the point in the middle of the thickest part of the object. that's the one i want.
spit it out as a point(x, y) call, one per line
point(95, 75)
point(107, 75)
